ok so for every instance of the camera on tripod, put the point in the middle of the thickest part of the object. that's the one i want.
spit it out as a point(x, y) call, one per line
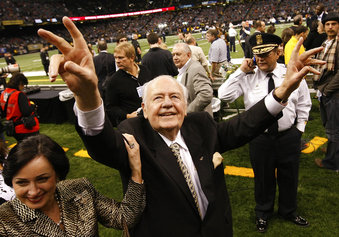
point(10, 69)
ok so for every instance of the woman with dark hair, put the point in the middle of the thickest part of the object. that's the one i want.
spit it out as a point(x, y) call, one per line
point(17, 107)
point(48, 205)
point(286, 35)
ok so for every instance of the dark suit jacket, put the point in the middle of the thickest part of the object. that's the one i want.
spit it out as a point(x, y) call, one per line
point(200, 92)
point(82, 208)
point(170, 208)
point(159, 62)
point(104, 67)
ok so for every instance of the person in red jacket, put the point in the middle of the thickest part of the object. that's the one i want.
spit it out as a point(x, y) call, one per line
point(19, 107)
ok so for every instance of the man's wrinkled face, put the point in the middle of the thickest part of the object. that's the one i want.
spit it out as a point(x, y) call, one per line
point(331, 28)
point(180, 56)
point(165, 106)
point(267, 61)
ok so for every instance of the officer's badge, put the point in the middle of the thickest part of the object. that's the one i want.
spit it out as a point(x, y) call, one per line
point(259, 39)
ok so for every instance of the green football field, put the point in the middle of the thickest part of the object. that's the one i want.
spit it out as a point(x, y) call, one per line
point(318, 191)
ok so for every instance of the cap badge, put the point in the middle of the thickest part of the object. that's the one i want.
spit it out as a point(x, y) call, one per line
point(259, 39)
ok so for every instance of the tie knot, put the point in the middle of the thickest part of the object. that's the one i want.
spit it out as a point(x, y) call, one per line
point(270, 74)
point(175, 149)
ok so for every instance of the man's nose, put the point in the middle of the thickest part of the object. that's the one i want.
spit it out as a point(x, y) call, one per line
point(167, 102)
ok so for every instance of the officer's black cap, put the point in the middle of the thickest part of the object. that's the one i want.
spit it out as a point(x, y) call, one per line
point(263, 42)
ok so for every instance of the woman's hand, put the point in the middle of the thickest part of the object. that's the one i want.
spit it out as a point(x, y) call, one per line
point(132, 147)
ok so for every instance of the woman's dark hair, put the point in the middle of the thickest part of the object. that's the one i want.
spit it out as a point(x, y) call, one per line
point(286, 35)
point(3, 151)
point(15, 81)
point(300, 29)
point(30, 148)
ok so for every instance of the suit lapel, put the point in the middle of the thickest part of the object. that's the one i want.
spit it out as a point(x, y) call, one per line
point(185, 75)
point(166, 160)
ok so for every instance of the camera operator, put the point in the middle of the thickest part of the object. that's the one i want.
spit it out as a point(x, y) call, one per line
point(19, 108)
point(9, 58)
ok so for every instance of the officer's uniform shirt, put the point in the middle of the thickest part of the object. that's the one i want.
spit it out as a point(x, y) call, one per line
point(254, 87)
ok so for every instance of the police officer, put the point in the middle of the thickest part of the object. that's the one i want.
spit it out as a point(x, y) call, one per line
point(278, 147)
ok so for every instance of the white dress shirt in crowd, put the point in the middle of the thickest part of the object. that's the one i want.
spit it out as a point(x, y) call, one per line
point(232, 32)
point(254, 87)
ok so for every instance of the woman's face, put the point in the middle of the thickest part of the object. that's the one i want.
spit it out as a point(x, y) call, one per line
point(35, 184)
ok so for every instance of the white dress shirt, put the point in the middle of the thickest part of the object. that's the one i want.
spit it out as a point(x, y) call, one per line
point(232, 32)
point(254, 87)
point(187, 159)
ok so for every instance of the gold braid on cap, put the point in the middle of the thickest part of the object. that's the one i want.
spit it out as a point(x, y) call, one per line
point(264, 48)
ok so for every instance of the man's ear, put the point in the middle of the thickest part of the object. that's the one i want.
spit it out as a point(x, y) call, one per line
point(144, 110)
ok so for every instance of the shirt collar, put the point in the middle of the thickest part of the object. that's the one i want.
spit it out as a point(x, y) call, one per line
point(138, 72)
point(183, 69)
point(179, 139)
point(275, 72)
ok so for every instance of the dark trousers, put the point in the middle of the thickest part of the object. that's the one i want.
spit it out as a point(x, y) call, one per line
point(228, 53)
point(243, 46)
point(232, 44)
point(329, 110)
point(267, 154)
point(46, 68)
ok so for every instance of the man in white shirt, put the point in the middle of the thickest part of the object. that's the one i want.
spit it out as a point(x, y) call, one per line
point(278, 147)
point(175, 206)
point(232, 33)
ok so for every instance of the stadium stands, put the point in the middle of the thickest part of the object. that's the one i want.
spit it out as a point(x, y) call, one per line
point(15, 38)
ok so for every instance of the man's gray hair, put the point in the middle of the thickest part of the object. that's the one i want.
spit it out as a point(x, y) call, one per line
point(148, 84)
point(183, 46)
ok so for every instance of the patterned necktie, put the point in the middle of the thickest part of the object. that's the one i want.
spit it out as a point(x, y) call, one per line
point(176, 151)
point(273, 129)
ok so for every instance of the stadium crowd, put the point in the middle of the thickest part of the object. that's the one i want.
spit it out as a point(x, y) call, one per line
point(186, 19)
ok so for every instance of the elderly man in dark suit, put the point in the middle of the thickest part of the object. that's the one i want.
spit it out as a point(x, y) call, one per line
point(104, 64)
point(186, 195)
point(193, 76)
